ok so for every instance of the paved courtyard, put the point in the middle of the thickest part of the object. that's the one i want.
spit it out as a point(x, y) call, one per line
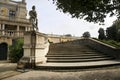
point(90, 74)
point(7, 70)
point(7, 66)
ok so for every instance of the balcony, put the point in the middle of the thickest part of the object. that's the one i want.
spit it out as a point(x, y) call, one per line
point(12, 33)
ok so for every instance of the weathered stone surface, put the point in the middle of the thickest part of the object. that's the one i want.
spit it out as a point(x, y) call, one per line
point(36, 46)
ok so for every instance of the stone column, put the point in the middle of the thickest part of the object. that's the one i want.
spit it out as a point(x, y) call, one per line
point(3, 26)
point(3, 29)
point(26, 28)
point(0, 27)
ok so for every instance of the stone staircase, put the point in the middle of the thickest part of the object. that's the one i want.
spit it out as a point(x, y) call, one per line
point(75, 55)
point(73, 51)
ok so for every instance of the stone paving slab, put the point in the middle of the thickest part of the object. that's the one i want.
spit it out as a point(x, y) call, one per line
point(7, 74)
point(7, 69)
point(106, 74)
point(7, 66)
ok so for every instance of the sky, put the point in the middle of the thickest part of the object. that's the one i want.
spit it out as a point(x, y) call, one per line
point(52, 21)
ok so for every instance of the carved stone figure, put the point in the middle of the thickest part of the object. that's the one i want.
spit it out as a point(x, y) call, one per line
point(33, 18)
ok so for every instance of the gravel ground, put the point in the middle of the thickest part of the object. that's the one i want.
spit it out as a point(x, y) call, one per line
point(94, 74)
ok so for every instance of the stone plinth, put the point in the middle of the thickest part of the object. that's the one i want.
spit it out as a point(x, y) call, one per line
point(36, 47)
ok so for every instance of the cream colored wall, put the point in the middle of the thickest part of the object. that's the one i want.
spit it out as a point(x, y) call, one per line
point(18, 7)
point(61, 39)
point(6, 40)
point(54, 39)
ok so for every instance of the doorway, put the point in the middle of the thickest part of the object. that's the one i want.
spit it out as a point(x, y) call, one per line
point(3, 51)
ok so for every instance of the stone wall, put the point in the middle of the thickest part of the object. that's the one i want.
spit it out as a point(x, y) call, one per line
point(102, 47)
point(6, 40)
point(60, 38)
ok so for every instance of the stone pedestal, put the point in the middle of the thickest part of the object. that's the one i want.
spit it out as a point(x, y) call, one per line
point(36, 47)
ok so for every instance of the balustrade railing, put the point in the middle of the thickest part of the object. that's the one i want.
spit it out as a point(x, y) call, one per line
point(12, 33)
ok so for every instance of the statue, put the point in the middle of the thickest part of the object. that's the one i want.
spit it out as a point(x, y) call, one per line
point(33, 18)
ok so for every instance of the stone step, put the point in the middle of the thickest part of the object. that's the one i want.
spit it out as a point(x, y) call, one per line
point(76, 57)
point(71, 50)
point(66, 45)
point(73, 53)
point(62, 45)
point(78, 60)
point(69, 47)
point(77, 65)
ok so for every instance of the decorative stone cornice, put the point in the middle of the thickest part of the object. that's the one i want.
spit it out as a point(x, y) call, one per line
point(13, 22)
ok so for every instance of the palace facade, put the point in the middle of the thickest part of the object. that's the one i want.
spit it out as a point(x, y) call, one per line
point(13, 24)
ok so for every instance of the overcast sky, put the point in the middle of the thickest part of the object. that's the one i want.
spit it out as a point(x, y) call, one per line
point(55, 22)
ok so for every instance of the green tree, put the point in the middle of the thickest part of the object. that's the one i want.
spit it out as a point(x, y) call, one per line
point(117, 24)
point(113, 32)
point(16, 50)
point(86, 34)
point(101, 34)
point(90, 10)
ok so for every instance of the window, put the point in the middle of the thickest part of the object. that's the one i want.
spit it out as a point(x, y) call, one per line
point(12, 13)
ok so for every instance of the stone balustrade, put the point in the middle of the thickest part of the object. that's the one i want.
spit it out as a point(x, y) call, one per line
point(12, 33)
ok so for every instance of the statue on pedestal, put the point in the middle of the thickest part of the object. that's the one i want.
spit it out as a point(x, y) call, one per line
point(33, 18)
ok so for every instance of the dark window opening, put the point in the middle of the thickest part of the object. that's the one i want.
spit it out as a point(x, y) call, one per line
point(12, 14)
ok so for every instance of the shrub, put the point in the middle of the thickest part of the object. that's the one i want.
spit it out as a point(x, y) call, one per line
point(16, 50)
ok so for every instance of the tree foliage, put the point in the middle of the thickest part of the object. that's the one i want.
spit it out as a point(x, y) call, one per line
point(68, 35)
point(90, 10)
point(101, 34)
point(86, 34)
point(16, 50)
point(113, 32)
